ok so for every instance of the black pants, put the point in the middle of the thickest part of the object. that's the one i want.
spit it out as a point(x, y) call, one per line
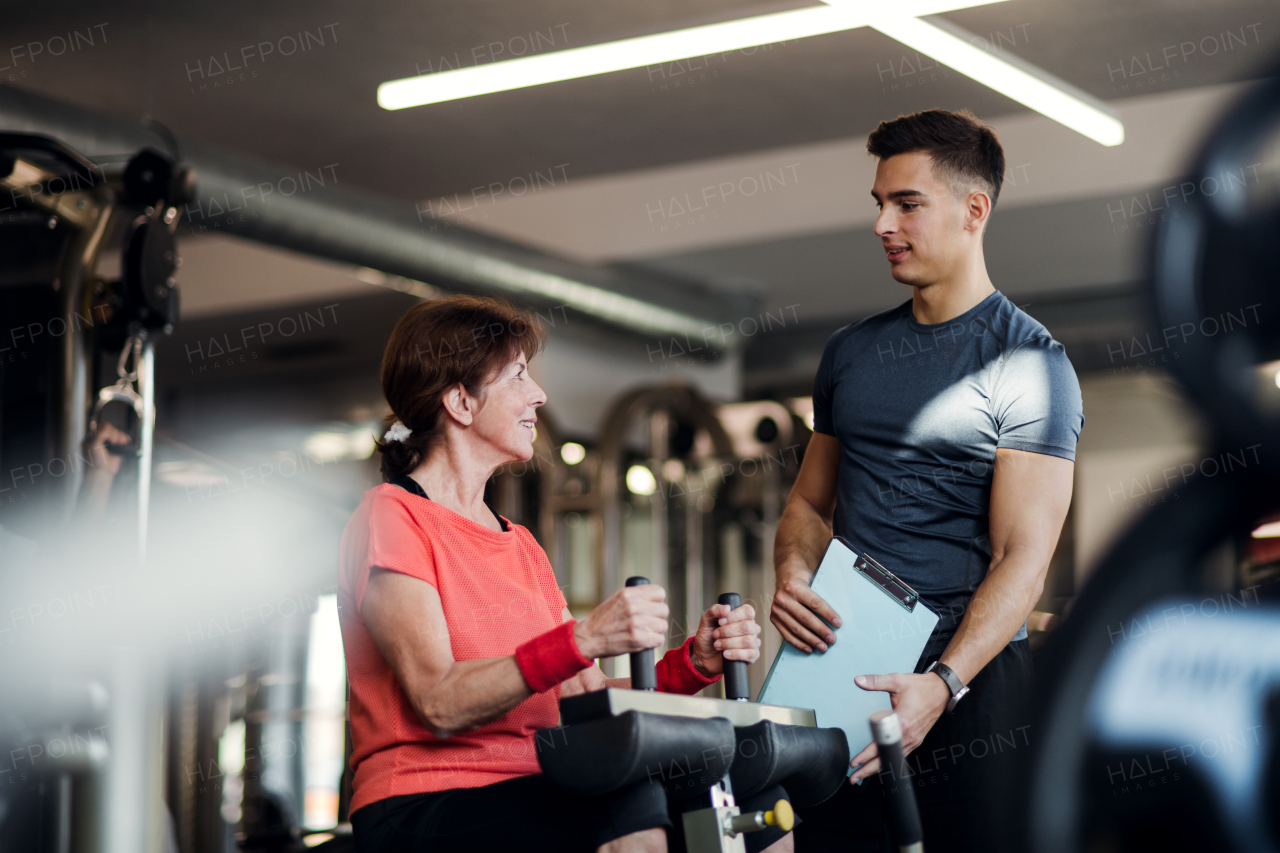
point(960, 773)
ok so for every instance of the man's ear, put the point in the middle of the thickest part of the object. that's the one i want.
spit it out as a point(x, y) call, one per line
point(459, 405)
point(977, 210)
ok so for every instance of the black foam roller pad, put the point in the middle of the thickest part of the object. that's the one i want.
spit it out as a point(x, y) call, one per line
point(686, 755)
point(811, 763)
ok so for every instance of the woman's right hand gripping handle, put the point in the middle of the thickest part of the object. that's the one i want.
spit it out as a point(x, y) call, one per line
point(632, 619)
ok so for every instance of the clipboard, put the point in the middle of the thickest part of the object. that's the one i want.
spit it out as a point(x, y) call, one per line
point(883, 628)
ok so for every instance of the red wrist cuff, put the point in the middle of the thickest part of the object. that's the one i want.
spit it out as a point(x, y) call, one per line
point(677, 674)
point(550, 658)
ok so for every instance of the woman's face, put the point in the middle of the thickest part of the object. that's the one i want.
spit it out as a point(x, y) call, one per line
point(508, 411)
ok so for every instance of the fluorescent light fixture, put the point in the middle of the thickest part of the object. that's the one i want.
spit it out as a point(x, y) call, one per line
point(643, 51)
point(1008, 75)
point(941, 40)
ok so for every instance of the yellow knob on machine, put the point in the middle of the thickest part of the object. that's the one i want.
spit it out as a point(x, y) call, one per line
point(782, 816)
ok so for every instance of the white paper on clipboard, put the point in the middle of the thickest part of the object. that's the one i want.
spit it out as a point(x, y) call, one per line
point(878, 634)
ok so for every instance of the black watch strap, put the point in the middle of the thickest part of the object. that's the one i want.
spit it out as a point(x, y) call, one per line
point(958, 689)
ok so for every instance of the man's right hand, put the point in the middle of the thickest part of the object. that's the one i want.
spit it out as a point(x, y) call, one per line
point(795, 611)
point(803, 532)
point(632, 619)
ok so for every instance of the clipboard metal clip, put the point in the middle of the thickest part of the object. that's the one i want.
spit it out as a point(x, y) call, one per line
point(887, 581)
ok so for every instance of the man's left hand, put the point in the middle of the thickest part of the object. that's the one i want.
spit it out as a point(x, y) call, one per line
point(918, 701)
point(725, 633)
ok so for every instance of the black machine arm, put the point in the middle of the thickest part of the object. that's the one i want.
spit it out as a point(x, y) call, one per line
point(643, 667)
point(736, 685)
point(899, 790)
point(644, 675)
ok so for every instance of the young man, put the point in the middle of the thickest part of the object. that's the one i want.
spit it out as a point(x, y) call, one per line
point(944, 445)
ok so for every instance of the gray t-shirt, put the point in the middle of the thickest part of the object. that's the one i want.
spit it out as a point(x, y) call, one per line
point(919, 411)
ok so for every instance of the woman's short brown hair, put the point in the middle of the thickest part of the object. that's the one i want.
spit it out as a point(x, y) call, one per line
point(439, 344)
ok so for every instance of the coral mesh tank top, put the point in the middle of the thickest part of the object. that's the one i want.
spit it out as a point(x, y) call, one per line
point(497, 589)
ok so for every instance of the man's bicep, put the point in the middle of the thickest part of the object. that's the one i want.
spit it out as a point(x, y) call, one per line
point(407, 622)
point(819, 473)
point(1030, 495)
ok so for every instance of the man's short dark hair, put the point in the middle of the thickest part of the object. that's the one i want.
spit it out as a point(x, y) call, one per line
point(962, 148)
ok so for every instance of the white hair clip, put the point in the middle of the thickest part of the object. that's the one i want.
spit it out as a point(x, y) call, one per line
point(398, 432)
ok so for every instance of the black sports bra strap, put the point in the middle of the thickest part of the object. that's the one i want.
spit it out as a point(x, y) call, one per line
point(409, 484)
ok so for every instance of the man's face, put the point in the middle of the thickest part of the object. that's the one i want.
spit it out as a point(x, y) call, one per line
point(925, 230)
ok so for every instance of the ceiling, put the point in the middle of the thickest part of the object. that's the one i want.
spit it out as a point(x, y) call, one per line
point(317, 107)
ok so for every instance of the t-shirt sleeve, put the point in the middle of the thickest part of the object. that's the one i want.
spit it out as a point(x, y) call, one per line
point(824, 388)
point(1038, 404)
point(393, 541)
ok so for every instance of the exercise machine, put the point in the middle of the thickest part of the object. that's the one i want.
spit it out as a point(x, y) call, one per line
point(87, 286)
point(73, 314)
point(706, 752)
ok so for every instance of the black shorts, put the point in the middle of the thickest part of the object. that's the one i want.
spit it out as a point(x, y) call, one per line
point(960, 772)
point(530, 813)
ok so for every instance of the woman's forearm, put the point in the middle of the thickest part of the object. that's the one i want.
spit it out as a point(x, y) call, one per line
point(471, 693)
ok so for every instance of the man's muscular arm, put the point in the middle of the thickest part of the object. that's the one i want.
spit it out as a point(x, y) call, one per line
point(1030, 494)
point(802, 536)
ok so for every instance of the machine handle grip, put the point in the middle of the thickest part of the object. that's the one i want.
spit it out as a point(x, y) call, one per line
point(644, 676)
point(736, 685)
point(895, 777)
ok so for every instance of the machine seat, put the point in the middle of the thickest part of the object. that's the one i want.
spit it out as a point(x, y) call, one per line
point(687, 755)
point(811, 763)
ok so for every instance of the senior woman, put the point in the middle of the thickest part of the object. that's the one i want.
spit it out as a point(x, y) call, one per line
point(458, 641)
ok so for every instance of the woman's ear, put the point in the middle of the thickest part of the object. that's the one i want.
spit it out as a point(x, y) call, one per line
point(459, 405)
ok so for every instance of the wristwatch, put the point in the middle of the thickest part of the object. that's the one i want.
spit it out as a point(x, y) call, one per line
point(947, 674)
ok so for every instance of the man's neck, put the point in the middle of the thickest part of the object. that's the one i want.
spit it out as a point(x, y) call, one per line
point(949, 298)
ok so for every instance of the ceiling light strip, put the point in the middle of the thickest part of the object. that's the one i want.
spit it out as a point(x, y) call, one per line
point(644, 317)
point(643, 51)
point(622, 310)
point(1024, 83)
